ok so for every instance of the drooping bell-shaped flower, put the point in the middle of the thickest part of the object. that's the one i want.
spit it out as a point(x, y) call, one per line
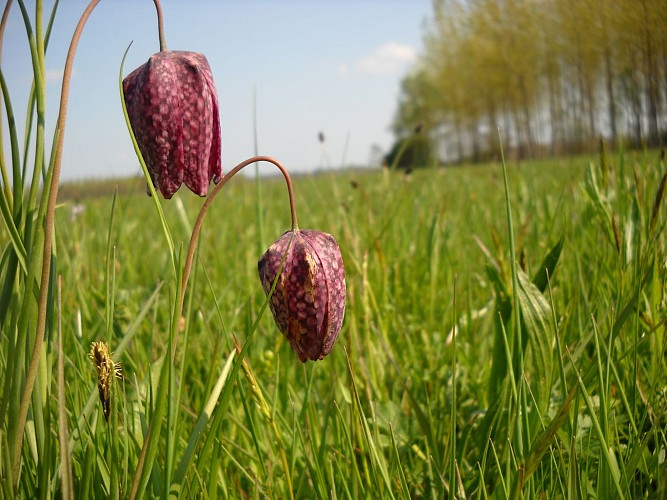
point(308, 303)
point(172, 104)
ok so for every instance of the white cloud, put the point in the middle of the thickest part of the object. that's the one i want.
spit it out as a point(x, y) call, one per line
point(389, 58)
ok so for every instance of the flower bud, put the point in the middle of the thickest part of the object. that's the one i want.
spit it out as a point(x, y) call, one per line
point(172, 104)
point(308, 303)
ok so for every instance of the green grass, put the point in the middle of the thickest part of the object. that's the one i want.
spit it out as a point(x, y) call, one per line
point(570, 401)
point(504, 335)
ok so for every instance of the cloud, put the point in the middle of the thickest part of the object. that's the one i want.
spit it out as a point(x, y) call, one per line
point(389, 58)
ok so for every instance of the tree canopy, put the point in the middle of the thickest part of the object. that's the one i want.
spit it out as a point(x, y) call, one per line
point(554, 76)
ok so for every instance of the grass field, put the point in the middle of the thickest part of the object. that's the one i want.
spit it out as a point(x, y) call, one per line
point(433, 388)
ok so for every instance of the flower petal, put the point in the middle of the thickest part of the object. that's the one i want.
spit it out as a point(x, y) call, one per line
point(172, 104)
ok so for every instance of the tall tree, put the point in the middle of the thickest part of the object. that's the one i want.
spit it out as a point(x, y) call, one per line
point(553, 74)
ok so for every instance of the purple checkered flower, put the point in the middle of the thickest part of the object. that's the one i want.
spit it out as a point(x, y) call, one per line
point(172, 104)
point(308, 303)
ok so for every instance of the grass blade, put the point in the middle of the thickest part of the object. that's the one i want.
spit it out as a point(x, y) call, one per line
point(203, 419)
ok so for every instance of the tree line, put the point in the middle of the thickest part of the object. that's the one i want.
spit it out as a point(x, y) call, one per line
point(554, 76)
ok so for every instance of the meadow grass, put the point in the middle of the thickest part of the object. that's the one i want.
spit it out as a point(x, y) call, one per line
point(433, 389)
point(504, 334)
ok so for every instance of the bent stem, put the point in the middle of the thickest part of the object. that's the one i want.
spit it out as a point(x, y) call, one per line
point(160, 25)
point(48, 240)
point(149, 447)
point(207, 204)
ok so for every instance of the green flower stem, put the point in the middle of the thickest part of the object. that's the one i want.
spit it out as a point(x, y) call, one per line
point(32, 100)
point(149, 448)
point(144, 169)
point(37, 102)
point(48, 240)
point(173, 340)
point(188, 267)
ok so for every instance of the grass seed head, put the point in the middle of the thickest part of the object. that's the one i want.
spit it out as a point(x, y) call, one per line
point(106, 369)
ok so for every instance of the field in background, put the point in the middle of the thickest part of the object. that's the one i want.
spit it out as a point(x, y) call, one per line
point(570, 401)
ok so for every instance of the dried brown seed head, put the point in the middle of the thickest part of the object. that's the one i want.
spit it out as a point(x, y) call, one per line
point(106, 369)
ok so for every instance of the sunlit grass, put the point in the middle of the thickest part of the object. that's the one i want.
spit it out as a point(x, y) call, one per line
point(374, 419)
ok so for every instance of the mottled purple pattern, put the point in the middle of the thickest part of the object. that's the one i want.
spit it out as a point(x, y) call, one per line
point(173, 108)
point(308, 303)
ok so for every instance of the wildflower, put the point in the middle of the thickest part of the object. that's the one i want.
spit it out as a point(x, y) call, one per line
point(106, 369)
point(172, 104)
point(308, 303)
point(76, 210)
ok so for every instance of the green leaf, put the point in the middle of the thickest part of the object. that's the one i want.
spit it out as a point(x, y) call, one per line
point(599, 203)
point(548, 266)
point(535, 316)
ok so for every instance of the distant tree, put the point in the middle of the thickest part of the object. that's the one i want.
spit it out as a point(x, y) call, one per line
point(553, 75)
point(410, 152)
point(417, 104)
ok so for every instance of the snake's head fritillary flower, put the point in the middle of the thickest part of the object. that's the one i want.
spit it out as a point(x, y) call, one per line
point(172, 104)
point(308, 303)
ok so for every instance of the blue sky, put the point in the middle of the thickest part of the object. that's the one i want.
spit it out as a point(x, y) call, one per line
point(322, 65)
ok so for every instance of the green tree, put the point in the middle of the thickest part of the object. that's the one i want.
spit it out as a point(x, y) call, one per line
point(553, 75)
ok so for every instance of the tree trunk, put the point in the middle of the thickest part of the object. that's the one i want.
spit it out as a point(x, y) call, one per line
point(592, 131)
point(459, 141)
point(474, 140)
point(555, 113)
point(525, 108)
point(493, 126)
point(636, 109)
point(611, 103)
point(609, 81)
point(652, 96)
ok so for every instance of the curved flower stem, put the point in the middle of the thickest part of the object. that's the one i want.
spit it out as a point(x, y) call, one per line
point(204, 209)
point(140, 477)
point(160, 25)
point(48, 240)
